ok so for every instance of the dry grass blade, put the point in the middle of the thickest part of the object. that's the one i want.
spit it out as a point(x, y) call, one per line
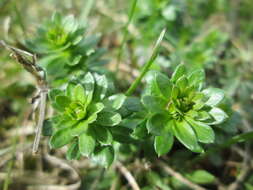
point(30, 65)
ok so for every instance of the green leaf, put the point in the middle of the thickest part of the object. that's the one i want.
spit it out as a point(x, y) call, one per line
point(182, 83)
point(101, 87)
point(79, 128)
point(215, 96)
point(201, 177)
point(163, 143)
point(79, 94)
point(53, 93)
point(47, 129)
point(197, 77)
point(115, 101)
point(70, 90)
point(204, 132)
point(156, 124)
point(62, 101)
point(107, 118)
point(95, 108)
point(104, 156)
point(158, 85)
point(73, 151)
point(140, 132)
point(154, 104)
point(86, 144)
point(186, 135)
point(102, 135)
point(219, 115)
point(69, 23)
point(179, 71)
point(60, 138)
point(74, 61)
point(175, 92)
point(89, 84)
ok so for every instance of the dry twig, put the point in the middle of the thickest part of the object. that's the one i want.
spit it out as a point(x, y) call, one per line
point(179, 177)
point(40, 76)
point(128, 176)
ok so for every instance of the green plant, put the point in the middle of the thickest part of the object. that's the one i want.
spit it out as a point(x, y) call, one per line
point(63, 48)
point(85, 116)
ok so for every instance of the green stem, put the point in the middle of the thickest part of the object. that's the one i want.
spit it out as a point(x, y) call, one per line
point(130, 17)
point(147, 65)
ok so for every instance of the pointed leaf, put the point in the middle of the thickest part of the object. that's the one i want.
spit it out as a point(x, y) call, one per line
point(62, 101)
point(219, 115)
point(204, 132)
point(89, 84)
point(179, 71)
point(60, 138)
point(104, 156)
point(215, 96)
point(156, 124)
point(163, 143)
point(101, 87)
point(115, 101)
point(73, 151)
point(154, 104)
point(107, 118)
point(79, 94)
point(102, 135)
point(86, 144)
point(186, 135)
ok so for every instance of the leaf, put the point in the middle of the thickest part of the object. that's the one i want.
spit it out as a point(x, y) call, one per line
point(215, 96)
point(62, 102)
point(79, 128)
point(86, 144)
point(70, 90)
point(101, 87)
point(179, 71)
point(60, 138)
point(95, 108)
point(175, 92)
point(158, 85)
point(182, 83)
point(197, 77)
point(69, 23)
point(73, 61)
point(156, 124)
point(107, 118)
point(47, 129)
point(140, 132)
point(154, 104)
point(204, 132)
point(185, 134)
point(219, 115)
point(102, 134)
point(122, 134)
point(73, 151)
point(53, 93)
point(79, 94)
point(163, 143)
point(89, 84)
point(104, 156)
point(115, 101)
point(201, 177)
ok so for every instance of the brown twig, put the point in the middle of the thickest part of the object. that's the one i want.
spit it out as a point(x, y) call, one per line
point(179, 177)
point(39, 74)
point(126, 173)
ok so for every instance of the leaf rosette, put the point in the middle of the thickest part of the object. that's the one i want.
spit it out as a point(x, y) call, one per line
point(64, 48)
point(85, 116)
point(179, 107)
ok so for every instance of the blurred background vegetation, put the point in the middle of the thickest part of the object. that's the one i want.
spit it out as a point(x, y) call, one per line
point(216, 35)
